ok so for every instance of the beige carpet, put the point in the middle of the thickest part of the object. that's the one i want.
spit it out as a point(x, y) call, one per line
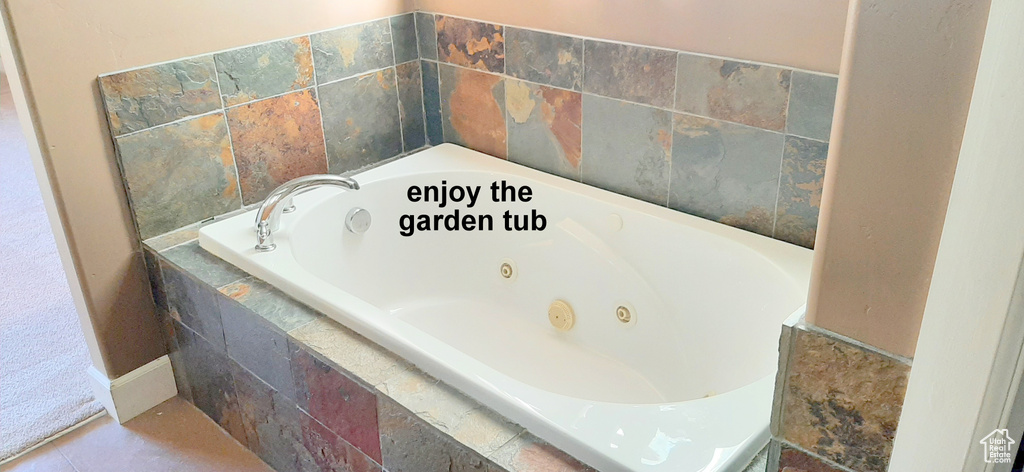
point(43, 358)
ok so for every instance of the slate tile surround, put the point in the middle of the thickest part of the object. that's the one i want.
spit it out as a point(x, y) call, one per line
point(352, 405)
point(200, 137)
point(436, 78)
point(731, 168)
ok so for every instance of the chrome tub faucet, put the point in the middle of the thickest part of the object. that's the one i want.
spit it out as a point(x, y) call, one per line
point(268, 218)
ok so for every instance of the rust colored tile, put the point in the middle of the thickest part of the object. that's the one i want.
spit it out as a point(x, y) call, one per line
point(740, 92)
point(470, 43)
point(545, 129)
point(146, 97)
point(842, 402)
point(276, 140)
point(473, 110)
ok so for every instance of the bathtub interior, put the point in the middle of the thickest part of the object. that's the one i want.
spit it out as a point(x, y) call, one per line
point(707, 309)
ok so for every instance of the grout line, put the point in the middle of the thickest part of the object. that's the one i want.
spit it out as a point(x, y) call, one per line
point(782, 159)
point(778, 189)
point(440, 109)
point(416, 32)
point(231, 142)
point(319, 106)
point(583, 81)
point(169, 123)
point(356, 76)
point(627, 43)
point(268, 97)
point(423, 98)
point(827, 461)
point(805, 137)
point(671, 146)
point(398, 95)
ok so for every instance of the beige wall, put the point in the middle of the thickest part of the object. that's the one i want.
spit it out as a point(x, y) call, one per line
point(806, 34)
point(62, 46)
point(904, 90)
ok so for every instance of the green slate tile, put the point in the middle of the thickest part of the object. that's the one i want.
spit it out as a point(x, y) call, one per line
point(725, 172)
point(179, 174)
point(356, 138)
point(352, 50)
point(264, 70)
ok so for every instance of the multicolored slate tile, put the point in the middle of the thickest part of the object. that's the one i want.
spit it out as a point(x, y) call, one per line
point(527, 452)
point(143, 98)
point(210, 378)
point(329, 452)
point(253, 344)
point(426, 35)
point(344, 348)
point(276, 140)
point(271, 422)
point(471, 424)
point(803, 173)
point(627, 148)
point(340, 403)
point(352, 50)
point(264, 70)
point(179, 174)
point(269, 303)
point(811, 104)
point(546, 58)
point(193, 303)
point(544, 127)
point(410, 99)
point(633, 73)
point(469, 43)
point(473, 109)
point(740, 92)
point(725, 172)
point(409, 444)
point(432, 102)
point(356, 138)
point(842, 401)
point(403, 33)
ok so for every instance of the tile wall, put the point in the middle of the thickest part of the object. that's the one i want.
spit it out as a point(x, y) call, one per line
point(203, 136)
point(736, 142)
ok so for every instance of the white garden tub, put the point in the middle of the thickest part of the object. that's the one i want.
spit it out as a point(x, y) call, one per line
point(685, 386)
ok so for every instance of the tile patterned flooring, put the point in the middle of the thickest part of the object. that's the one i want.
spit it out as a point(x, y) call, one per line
point(174, 436)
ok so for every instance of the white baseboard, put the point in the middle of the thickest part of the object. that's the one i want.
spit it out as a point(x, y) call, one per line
point(135, 392)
